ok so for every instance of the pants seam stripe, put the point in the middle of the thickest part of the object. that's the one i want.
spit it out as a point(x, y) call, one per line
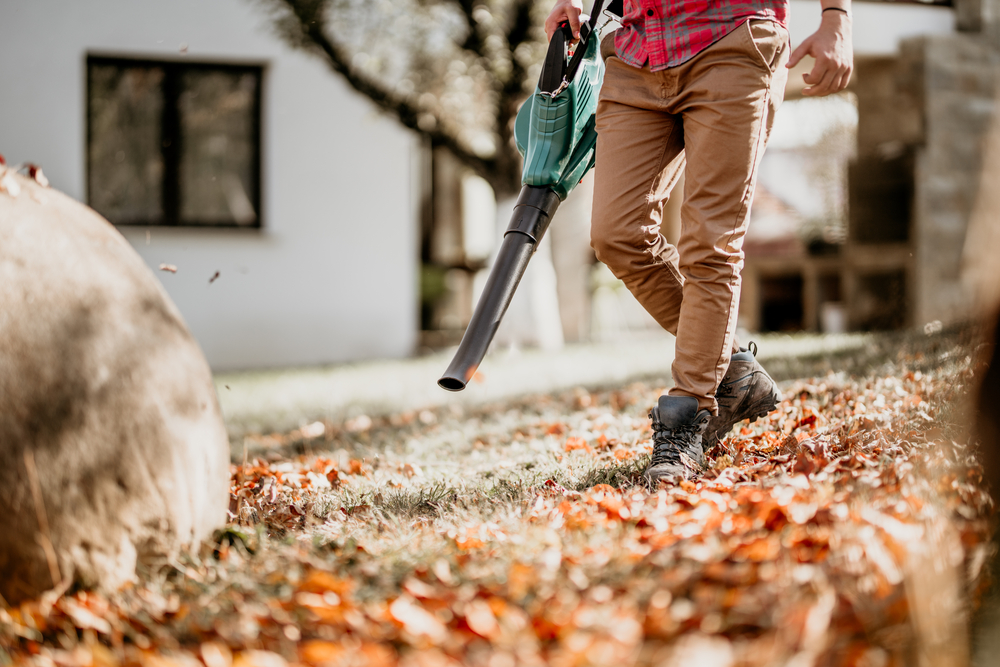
point(747, 194)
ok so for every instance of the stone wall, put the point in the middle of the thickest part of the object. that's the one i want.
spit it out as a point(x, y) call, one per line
point(923, 119)
point(960, 82)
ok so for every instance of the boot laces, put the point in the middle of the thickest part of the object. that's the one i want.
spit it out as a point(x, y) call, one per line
point(670, 442)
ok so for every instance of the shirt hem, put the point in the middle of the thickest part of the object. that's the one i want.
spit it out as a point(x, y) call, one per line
point(634, 62)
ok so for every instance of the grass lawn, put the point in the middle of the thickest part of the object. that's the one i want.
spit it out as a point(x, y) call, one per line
point(847, 528)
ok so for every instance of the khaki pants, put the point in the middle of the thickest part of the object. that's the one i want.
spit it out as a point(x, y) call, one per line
point(713, 112)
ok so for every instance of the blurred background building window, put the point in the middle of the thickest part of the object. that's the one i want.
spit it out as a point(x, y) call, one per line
point(174, 143)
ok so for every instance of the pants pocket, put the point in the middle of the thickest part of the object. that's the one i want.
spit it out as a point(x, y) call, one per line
point(769, 40)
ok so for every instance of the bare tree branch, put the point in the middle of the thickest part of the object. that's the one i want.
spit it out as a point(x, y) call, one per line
point(310, 21)
point(457, 77)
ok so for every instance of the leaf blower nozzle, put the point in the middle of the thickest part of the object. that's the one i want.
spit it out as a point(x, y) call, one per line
point(555, 132)
point(531, 217)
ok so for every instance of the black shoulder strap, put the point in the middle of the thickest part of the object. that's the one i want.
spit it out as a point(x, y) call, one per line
point(587, 30)
point(555, 70)
point(595, 12)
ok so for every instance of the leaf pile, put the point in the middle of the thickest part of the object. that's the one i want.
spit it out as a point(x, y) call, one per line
point(846, 528)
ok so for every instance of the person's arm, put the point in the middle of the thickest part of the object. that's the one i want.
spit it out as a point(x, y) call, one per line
point(565, 10)
point(831, 47)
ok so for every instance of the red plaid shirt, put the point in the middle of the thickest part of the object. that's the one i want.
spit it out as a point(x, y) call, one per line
point(670, 32)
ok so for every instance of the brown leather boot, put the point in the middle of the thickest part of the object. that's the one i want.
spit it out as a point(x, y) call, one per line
point(746, 392)
point(677, 428)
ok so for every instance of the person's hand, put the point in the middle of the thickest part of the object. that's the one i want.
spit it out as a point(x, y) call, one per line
point(565, 10)
point(832, 49)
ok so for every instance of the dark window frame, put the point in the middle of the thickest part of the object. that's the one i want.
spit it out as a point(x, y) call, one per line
point(170, 136)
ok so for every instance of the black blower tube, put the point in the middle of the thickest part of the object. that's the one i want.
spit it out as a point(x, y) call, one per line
point(531, 217)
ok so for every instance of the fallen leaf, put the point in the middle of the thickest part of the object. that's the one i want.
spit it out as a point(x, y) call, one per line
point(9, 184)
point(417, 620)
point(259, 659)
point(215, 654)
point(35, 172)
point(481, 620)
point(317, 652)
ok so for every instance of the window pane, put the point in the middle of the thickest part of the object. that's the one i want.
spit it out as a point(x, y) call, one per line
point(126, 164)
point(218, 157)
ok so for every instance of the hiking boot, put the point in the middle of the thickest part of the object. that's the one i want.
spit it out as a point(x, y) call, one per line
point(678, 425)
point(746, 392)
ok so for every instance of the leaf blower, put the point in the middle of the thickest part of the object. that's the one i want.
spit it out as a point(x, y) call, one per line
point(555, 134)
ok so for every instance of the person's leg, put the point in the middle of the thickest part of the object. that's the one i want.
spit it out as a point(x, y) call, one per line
point(639, 159)
point(727, 97)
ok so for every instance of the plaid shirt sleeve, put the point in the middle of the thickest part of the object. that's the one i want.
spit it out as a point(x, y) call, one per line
point(666, 33)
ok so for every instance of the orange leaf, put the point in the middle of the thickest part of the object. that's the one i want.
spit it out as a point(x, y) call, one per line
point(318, 581)
point(481, 620)
point(417, 620)
point(759, 550)
point(215, 654)
point(315, 652)
point(469, 543)
point(259, 659)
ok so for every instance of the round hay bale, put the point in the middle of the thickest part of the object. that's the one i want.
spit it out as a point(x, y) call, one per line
point(112, 445)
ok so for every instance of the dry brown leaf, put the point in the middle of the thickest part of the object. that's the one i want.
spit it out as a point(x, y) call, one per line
point(416, 620)
point(481, 620)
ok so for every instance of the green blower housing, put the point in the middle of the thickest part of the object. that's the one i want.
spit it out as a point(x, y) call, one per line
point(556, 135)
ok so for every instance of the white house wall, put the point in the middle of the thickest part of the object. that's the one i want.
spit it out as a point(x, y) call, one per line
point(331, 277)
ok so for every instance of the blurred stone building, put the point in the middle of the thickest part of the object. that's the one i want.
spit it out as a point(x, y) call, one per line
point(925, 82)
point(923, 120)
